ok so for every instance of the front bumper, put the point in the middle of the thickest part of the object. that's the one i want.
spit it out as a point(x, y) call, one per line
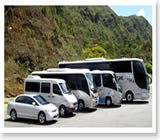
point(72, 109)
point(52, 115)
point(142, 96)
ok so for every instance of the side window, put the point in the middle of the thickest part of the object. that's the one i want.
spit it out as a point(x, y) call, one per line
point(20, 99)
point(45, 87)
point(56, 89)
point(97, 79)
point(28, 100)
point(32, 86)
point(108, 81)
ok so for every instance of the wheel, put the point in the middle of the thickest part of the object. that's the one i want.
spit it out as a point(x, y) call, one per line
point(108, 102)
point(129, 96)
point(62, 111)
point(42, 118)
point(13, 115)
point(80, 105)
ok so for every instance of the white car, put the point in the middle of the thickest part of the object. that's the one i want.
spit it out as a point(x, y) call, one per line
point(32, 107)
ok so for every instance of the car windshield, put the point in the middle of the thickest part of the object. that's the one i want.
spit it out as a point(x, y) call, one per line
point(41, 100)
point(90, 81)
point(64, 88)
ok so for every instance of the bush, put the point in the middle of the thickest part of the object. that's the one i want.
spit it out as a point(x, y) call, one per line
point(148, 67)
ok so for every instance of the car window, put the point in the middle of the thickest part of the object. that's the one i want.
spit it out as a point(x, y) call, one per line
point(45, 87)
point(28, 100)
point(56, 89)
point(20, 99)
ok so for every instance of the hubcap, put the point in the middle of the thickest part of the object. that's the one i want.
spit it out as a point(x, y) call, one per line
point(129, 97)
point(62, 111)
point(42, 118)
point(108, 102)
point(13, 115)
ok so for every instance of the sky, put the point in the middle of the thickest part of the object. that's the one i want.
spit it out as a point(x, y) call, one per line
point(145, 11)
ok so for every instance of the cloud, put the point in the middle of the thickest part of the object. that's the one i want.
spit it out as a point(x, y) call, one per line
point(140, 12)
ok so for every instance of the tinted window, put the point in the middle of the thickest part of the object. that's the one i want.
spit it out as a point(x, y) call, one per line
point(108, 81)
point(56, 89)
point(139, 74)
point(45, 87)
point(120, 66)
point(32, 86)
point(97, 79)
point(28, 100)
point(20, 99)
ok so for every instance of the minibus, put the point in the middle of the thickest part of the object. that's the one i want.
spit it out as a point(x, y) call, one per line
point(80, 82)
point(108, 89)
point(131, 74)
point(54, 91)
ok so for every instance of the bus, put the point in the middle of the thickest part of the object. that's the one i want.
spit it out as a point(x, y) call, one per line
point(131, 74)
point(108, 89)
point(80, 82)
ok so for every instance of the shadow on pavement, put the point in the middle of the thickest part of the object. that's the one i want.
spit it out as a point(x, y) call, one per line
point(135, 102)
point(86, 110)
point(111, 107)
point(69, 115)
point(28, 121)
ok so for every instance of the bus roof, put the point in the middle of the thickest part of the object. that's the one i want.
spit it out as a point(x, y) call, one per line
point(62, 70)
point(92, 60)
point(102, 72)
point(38, 78)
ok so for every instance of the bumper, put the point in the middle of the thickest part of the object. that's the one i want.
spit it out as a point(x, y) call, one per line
point(143, 96)
point(94, 103)
point(70, 110)
point(52, 115)
point(116, 101)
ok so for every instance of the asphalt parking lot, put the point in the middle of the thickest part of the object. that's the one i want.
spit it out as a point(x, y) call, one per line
point(136, 114)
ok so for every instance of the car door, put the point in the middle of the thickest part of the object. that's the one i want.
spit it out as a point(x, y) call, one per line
point(57, 96)
point(46, 91)
point(19, 106)
point(31, 111)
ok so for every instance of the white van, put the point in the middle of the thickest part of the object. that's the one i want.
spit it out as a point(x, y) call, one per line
point(79, 81)
point(54, 91)
point(108, 89)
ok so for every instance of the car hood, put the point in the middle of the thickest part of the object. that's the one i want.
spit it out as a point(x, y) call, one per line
point(49, 106)
point(70, 97)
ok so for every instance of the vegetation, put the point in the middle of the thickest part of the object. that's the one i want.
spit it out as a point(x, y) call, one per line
point(39, 37)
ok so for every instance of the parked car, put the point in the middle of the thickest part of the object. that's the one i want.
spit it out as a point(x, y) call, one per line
point(32, 106)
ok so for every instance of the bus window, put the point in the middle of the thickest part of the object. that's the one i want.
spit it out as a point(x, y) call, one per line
point(139, 74)
point(108, 81)
point(97, 79)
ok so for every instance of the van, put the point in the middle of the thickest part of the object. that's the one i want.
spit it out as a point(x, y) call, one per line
point(108, 89)
point(54, 91)
point(79, 81)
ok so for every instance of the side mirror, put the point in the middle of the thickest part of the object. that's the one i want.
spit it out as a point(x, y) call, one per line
point(33, 103)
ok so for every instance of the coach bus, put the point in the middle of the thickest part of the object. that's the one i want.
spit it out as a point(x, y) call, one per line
point(131, 74)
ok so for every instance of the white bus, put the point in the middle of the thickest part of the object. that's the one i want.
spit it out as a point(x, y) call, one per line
point(80, 82)
point(131, 74)
point(108, 89)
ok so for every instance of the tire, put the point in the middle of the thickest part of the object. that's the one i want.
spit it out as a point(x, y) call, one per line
point(62, 111)
point(80, 105)
point(42, 118)
point(108, 102)
point(129, 96)
point(13, 115)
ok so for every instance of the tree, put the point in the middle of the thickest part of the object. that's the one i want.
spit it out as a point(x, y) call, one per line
point(94, 51)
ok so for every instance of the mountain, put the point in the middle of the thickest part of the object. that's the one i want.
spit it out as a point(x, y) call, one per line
point(39, 37)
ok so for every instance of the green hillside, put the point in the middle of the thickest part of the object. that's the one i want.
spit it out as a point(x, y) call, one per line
point(39, 37)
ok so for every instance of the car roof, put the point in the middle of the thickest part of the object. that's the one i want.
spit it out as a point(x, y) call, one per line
point(28, 95)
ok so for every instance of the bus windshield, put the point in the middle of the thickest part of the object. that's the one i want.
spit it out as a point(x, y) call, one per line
point(90, 81)
point(64, 88)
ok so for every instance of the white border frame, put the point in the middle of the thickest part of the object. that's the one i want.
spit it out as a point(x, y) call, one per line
point(83, 129)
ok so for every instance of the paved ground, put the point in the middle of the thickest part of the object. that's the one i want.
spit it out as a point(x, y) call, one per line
point(136, 114)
